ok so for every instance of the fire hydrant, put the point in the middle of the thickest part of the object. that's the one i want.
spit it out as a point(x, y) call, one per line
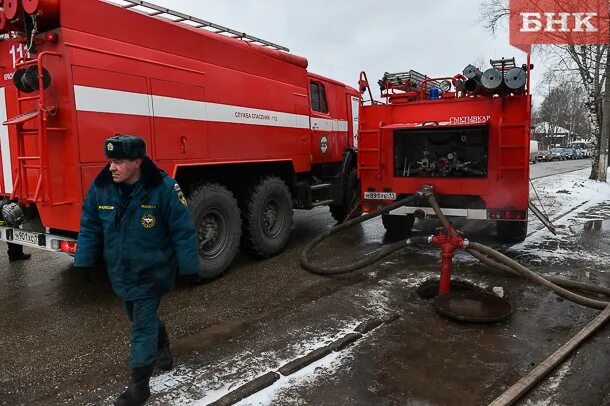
point(448, 242)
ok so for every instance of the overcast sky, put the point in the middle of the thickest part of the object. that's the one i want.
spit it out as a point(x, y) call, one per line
point(341, 38)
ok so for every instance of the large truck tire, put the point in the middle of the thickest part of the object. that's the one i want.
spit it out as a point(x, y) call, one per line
point(217, 221)
point(267, 218)
point(350, 197)
point(398, 226)
point(511, 231)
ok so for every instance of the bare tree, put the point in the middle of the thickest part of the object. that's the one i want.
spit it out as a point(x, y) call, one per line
point(590, 64)
point(564, 107)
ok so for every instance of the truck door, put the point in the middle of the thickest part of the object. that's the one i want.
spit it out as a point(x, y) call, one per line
point(354, 103)
point(322, 138)
point(179, 120)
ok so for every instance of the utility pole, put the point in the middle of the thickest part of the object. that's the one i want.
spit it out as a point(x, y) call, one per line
point(602, 170)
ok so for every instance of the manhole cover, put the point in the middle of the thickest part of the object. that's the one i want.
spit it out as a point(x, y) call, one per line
point(473, 306)
point(429, 289)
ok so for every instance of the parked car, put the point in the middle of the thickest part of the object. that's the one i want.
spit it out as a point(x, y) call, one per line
point(570, 153)
point(558, 154)
point(543, 156)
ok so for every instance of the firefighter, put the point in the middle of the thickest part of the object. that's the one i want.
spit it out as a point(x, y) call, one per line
point(136, 215)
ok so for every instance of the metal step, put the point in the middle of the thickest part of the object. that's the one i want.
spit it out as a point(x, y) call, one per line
point(321, 186)
point(22, 118)
point(322, 203)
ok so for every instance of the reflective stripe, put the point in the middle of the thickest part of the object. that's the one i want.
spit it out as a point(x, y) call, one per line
point(5, 146)
point(325, 124)
point(99, 100)
point(473, 214)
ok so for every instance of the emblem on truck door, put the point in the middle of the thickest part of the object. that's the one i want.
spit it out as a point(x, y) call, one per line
point(324, 144)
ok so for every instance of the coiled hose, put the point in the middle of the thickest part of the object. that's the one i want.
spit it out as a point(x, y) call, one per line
point(368, 259)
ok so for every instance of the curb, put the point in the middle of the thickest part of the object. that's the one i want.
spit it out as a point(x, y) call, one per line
point(302, 362)
point(248, 389)
point(268, 379)
point(368, 325)
point(345, 341)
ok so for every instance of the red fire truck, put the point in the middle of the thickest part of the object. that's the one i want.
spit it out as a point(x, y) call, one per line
point(466, 135)
point(247, 132)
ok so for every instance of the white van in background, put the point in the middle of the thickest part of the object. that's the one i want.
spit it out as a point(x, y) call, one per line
point(533, 151)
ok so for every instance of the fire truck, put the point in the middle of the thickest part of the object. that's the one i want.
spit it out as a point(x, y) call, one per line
point(466, 135)
point(238, 121)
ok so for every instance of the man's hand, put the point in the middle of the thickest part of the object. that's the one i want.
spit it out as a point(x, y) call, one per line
point(86, 273)
point(192, 279)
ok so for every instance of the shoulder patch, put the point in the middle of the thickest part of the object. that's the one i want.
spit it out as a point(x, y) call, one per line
point(180, 194)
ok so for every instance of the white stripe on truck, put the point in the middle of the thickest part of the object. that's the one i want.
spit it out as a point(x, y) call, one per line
point(5, 146)
point(99, 100)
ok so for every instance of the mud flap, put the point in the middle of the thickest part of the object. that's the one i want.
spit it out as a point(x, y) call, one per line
point(544, 219)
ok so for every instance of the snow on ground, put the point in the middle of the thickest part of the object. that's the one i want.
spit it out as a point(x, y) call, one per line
point(206, 385)
point(277, 392)
point(560, 193)
point(571, 200)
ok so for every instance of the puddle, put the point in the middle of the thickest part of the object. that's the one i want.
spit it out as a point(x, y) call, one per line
point(592, 225)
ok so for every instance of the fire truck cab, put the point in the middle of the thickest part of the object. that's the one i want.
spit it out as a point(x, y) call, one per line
point(466, 135)
point(245, 129)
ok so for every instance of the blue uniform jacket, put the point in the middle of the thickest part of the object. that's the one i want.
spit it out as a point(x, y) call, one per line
point(154, 239)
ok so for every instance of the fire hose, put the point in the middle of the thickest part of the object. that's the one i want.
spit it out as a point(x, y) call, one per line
point(486, 255)
point(489, 257)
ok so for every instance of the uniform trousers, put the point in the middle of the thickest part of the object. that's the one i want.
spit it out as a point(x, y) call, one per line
point(145, 326)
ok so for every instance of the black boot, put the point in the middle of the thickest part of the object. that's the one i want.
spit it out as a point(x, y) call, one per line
point(165, 361)
point(138, 390)
point(15, 253)
point(22, 257)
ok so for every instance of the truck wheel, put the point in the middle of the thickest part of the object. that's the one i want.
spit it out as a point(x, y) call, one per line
point(216, 217)
point(511, 231)
point(267, 218)
point(350, 197)
point(398, 225)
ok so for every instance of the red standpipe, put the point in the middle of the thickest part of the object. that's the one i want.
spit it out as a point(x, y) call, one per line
point(448, 245)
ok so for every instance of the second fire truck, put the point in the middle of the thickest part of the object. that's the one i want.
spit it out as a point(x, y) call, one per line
point(466, 135)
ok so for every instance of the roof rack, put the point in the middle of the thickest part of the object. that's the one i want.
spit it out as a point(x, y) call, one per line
point(411, 80)
point(178, 17)
point(504, 64)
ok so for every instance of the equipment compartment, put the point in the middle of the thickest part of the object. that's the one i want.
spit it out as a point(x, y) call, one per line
point(441, 152)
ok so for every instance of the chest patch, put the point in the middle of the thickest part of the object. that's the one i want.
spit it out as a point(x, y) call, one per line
point(148, 221)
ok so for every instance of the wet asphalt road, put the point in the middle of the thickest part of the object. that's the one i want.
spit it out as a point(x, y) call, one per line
point(65, 341)
point(541, 169)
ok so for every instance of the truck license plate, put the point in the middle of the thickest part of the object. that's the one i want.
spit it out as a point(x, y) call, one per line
point(26, 237)
point(380, 195)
